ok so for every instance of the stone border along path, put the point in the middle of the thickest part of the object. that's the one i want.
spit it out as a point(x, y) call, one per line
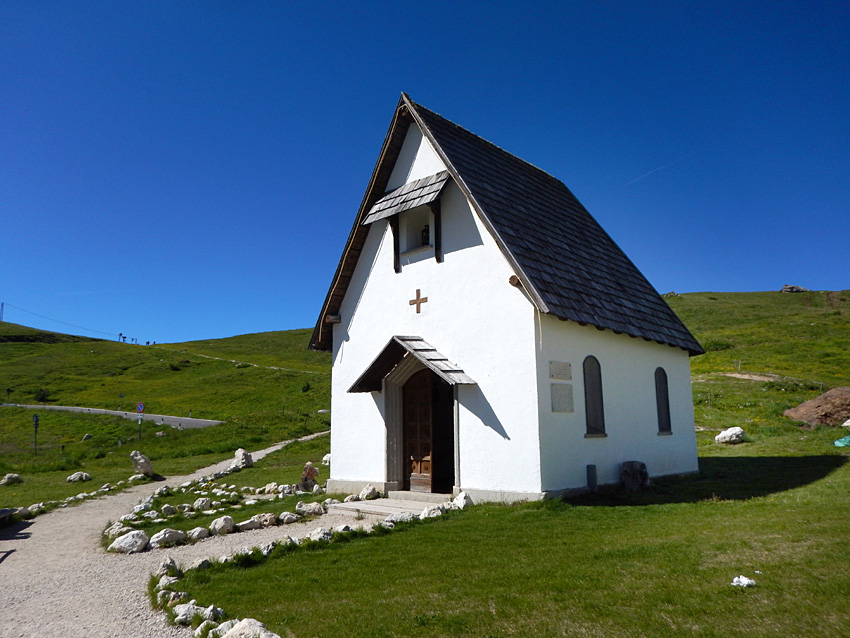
point(57, 580)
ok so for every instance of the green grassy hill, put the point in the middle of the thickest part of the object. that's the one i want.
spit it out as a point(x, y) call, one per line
point(267, 387)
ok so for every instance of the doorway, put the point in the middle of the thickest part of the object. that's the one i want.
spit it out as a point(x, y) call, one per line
point(428, 433)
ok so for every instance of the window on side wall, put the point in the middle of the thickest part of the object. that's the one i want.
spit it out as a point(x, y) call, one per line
point(662, 401)
point(594, 412)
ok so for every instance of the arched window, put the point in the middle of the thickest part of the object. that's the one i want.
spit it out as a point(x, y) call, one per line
point(594, 413)
point(662, 401)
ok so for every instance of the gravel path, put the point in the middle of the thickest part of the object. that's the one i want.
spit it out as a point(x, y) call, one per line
point(56, 579)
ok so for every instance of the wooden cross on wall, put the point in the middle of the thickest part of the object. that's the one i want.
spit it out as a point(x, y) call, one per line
point(418, 301)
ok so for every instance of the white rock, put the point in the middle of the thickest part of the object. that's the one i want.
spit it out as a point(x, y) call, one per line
point(249, 628)
point(743, 581)
point(130, 543)
point(11, 479)
point(115, 530)
point(351, 498)
point(846, 424)
point(329, 501)
point(152, 515)
point(201, 564)
point(204, 628)
point(432, 511)
point(326, 459)
point(247, 526)
point(35, 508)
point(320, 534)
point(223, 628)
point(399, 517)
point(342, 528)
point(141, 463)
point(270, 488)
point(369, 493)
point(167, 537)
point(317, 489)
point(168, 510)
point(201, 504)
point(732, 435)
point(198, 533)
point(242, 459)
point(167, 565)
point(287, 518)
point(184, 614)
point(221, 526)
point(166, 581)
point(462, 500)
point(309, 509)
point(136, 477)
point(267, 519)
point(79, 477)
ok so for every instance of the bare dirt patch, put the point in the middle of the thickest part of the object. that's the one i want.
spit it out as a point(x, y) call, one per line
point(750, 376)
point(830, 408)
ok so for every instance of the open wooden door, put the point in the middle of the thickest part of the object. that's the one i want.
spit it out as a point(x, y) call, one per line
point(428, 430)
point(417, 424)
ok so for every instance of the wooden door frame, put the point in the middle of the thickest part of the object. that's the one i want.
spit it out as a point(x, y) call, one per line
point(393, 384)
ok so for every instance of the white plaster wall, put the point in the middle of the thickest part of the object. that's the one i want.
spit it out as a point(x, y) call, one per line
point(628, 390)
point(416, 159)
point(473, 316)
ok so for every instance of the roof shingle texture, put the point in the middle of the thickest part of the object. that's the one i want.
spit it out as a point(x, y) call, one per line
point(577, 269)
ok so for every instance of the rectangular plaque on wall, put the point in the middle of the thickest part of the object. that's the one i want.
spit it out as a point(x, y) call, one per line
point(560, 370)
point(562, 397)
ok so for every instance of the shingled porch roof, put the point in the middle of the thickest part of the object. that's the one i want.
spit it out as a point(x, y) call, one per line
point(570, 267)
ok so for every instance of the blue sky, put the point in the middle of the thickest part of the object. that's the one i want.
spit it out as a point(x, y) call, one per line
point(189, 170)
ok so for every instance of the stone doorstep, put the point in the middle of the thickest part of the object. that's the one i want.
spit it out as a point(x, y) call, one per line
point(420, 497)
point(381, 506)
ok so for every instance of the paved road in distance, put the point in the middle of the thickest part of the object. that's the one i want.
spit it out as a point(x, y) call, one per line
point(178, 422)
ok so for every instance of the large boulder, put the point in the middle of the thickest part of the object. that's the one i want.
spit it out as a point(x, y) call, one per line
point(241, 460)
point(221, 526)
point(732, 435)
point(79, 477)
point(131, 543)
point(830, 408)
point(141, 463)
point(11, 479)
point(167, 537)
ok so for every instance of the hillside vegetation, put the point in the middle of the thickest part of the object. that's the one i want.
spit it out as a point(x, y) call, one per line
point(266, 387)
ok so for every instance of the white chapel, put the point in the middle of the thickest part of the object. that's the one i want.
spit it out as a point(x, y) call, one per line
point(489, 336)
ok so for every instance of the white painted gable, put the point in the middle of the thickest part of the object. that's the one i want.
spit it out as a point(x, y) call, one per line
point(416, 160)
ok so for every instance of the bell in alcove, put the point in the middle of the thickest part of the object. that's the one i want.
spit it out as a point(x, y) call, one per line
point(426, 235)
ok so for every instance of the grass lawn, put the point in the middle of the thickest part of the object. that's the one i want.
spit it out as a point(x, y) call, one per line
point(655, 563)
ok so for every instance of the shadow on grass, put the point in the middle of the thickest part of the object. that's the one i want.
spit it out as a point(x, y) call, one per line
point(724, 478)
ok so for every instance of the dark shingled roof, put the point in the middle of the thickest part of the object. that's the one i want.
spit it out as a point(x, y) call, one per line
point(569, 266)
